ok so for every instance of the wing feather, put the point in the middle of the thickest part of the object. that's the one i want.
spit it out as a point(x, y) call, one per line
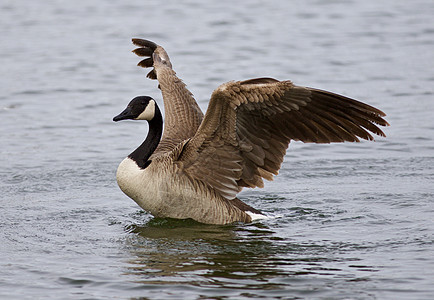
point(182, 114)
point(248, 126)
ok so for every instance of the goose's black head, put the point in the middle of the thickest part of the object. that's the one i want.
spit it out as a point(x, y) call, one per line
point(140, 108)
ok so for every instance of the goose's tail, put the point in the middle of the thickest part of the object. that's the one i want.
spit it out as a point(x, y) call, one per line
point(253, 213)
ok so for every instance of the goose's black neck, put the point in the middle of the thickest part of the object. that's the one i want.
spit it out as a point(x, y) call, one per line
point(144, 151)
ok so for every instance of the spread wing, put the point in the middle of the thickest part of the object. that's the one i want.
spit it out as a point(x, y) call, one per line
point(182, 114)
point(249, 124)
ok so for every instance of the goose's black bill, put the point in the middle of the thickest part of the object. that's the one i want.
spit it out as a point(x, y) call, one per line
point(127, 114)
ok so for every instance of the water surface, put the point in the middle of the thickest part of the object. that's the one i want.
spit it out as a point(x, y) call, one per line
point(351, 221)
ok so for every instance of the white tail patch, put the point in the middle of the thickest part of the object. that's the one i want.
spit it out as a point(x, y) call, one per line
point(257, 216)
point(149, 112)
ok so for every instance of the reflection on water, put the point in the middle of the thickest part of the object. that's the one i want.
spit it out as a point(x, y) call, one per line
point(248, 257)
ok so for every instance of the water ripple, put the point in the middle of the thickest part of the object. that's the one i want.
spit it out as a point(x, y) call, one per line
point(347, 221)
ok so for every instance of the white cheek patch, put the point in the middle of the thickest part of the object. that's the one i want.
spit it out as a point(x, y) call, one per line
point(149, 112)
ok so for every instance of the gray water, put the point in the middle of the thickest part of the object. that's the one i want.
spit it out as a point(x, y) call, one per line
point(351, 221)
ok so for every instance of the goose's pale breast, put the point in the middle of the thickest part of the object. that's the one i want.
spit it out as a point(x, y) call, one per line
point(164, 191)
point(139, 184)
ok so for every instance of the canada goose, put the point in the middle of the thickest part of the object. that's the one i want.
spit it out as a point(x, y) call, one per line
point(203, 162)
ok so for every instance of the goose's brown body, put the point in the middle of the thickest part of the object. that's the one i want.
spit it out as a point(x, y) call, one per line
point(202, 162)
